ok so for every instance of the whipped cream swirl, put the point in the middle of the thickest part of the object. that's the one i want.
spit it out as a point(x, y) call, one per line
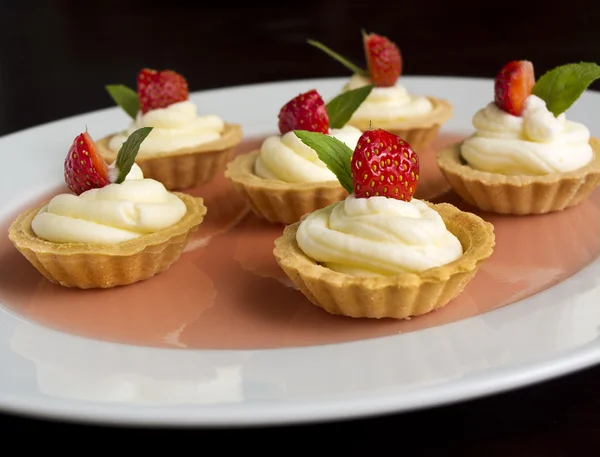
point(377, 236)
point(535, 143)
point(286, 158)
point(175, 127)
point(111, 214)
point(389, 104)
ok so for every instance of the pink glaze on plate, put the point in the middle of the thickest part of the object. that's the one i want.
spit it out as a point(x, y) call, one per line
point(227, 291)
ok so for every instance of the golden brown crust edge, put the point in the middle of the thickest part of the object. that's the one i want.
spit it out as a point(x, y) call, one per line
point(85, 265)
point(397, 296)
point(418, 132)
point(278, 201)
point(187, 167)
point(519, 195)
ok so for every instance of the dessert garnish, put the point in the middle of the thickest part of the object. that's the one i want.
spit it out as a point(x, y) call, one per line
point(155, 89)
point(381, 165)
point(85, 169)
point(513, 84)
point(562, 86)
point(559, 88)
point(309, 112)
point(384, 62)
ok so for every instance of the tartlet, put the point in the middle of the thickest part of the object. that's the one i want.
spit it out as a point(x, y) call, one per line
point(535, 161)
point(521, 194)
point(279, 201)
point(55, 246)
point(396, 296)
point(418, 119)
point(350, 292)
point(201, 155)
point(187, 167)
point(285, 201)
point(87, 265)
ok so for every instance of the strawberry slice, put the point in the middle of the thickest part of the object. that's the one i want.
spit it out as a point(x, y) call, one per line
point(307, 112)
point(383, 164)
point(159, 89)
point(85, 168)
point(383, 59)
point(513, 84)
point(384, 62)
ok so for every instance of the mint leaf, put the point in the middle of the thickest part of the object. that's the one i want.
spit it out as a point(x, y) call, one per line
point(342, 107)
point(562, 86)
point(333, 153)
point(128, 152)
point(345, 62)
point(125, 97)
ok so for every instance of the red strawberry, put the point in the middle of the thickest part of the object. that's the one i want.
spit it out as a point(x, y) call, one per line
point(305, 112)
point(513, 84)
point(383, 164)
point(383, 60)
point(84, 167)
point(159, 89)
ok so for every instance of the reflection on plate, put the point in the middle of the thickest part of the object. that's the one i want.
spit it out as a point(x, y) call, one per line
point(132, 375)
point(123, 376)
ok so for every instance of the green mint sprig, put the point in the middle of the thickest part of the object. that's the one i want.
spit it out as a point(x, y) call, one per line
point(125, 97)
point(128, 152)
point(333, 153)
point(562, 86)
point(341, 108)
point(345, 62)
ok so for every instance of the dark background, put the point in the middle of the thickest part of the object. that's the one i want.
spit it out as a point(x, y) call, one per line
point(57, 55)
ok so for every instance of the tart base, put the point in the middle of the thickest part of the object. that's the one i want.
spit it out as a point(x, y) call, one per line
point(523, 194)
point(418, 132)
point(279, 201)
point(87, 265)
point(398, 296)
point(184, 168)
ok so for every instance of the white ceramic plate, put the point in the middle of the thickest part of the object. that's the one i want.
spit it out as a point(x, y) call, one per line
point(52, 374)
